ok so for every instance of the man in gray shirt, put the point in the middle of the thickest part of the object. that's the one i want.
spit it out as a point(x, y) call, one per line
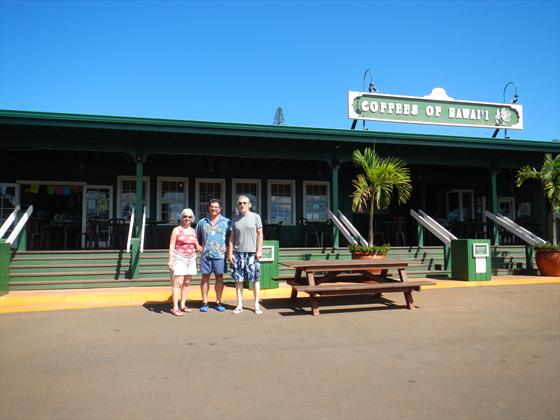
point(245, 251)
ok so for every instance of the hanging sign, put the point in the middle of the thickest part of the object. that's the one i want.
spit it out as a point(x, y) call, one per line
point(435, 109)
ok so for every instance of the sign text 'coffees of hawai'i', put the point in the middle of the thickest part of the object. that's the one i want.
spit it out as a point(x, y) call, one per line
point(436, 108)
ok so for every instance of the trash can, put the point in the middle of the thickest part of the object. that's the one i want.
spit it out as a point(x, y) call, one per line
point(470, 259)
point(269, 266)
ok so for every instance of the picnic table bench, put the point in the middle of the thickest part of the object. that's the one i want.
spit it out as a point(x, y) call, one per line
point(350, 277)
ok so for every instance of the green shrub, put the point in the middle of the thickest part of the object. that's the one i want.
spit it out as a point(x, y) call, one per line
point(547, 247)
point(374, 249)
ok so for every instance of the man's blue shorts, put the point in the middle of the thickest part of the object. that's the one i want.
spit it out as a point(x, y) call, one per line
point(212, 265)
point(245, 267)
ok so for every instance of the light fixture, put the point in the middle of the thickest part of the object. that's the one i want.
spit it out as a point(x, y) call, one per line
point(371, 89)
point(513, 101)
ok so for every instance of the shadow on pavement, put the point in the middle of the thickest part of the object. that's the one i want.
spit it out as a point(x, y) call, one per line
point(341, 304)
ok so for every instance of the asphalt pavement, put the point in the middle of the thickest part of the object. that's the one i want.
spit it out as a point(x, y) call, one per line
point(468, 353)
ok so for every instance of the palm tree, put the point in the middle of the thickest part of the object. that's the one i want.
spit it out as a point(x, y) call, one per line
point(549, 176)
point(374, 188)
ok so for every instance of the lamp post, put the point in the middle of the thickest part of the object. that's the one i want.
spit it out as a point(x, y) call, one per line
point(513, 101)
point(371, 88)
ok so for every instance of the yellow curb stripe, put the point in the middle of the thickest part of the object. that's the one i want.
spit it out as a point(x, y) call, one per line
point(54, 300)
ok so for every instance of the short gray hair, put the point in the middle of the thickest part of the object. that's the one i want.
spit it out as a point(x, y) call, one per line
point(188, 212)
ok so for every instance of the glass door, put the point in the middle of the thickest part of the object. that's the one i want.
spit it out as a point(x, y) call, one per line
point(460, 206)
point(99, 202)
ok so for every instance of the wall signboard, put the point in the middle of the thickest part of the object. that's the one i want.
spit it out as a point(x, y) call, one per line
point(435, 109)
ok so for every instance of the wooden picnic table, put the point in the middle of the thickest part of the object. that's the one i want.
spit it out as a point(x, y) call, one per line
point(342, 277)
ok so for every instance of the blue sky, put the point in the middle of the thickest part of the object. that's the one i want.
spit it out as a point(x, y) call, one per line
point(238, 61)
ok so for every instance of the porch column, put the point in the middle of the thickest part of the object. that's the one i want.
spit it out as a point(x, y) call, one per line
point(335, 166)
point(420, 228)
point(138, 207)
point(494, 204)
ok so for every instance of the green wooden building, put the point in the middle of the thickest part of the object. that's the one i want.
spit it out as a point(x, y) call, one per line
point(73, 168)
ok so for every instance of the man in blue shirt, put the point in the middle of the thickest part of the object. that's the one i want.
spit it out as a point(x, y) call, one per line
point(212, 233)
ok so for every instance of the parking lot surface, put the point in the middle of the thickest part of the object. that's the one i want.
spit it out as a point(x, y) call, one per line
point(470, 353)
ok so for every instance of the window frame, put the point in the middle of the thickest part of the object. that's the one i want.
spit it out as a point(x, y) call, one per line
point(160, 180)
point(234, 195)
point(326, 184)
point(120, 179)
point(291, 182)
point(198, 181)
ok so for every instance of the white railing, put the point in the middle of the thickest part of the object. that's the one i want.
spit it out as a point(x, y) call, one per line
point(342, 228)
point(142, 232)
point(434, 227)
point(130, 230)
point(514, 228)
point(9, 221)
point(359, 238)
point(20, 225)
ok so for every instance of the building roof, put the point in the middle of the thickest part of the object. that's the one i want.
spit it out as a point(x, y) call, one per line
point(157, 125)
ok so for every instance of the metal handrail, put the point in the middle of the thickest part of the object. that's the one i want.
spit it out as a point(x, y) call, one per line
point(341, 228)
point(438, 225)
point(352, 229)
point(9, 221)
point(434, 227)
point(130, 229)
point(143, 230)
point(514, 228)
point(20, 225)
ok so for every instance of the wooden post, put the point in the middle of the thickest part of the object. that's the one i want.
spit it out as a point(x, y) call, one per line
point(5, 252)
point(134, 269)
point(138, 207)
point(494, 204)
point(335, 165)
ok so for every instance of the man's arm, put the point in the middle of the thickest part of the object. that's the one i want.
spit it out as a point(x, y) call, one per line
point(259, 242)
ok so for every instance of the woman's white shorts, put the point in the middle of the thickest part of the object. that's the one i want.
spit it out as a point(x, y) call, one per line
point(184, 266)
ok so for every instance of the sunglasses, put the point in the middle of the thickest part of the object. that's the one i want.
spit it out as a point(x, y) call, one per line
point(187, 217)
point(242, 202)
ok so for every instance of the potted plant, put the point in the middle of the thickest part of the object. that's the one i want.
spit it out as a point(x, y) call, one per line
point(547, 255)
point(374, 187)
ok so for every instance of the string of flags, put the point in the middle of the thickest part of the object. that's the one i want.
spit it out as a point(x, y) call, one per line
point(53, 189)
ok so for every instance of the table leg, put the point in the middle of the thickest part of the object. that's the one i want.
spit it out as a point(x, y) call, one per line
point(310, 278)
point(314, 304)
point(409, 301)
point(293, 296)
point(402, 274)
point(297, 275)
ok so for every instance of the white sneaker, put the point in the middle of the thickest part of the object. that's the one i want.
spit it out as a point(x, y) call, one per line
point(237, 311)
point(258, 311)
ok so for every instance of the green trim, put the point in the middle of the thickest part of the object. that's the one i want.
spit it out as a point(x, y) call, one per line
point(5, 253)
point(8, 117)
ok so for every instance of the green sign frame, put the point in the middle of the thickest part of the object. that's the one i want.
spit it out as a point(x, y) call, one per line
point(267, 253)
point(480, 250)
point(434, 109)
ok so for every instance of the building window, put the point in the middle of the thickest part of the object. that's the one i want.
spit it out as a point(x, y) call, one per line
point(316, 200)
point(207, 189)
point(249, 187)
point(126, 195)
point(281, 202)
point(8, 201)
point(99, 200)
point(171, 198)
